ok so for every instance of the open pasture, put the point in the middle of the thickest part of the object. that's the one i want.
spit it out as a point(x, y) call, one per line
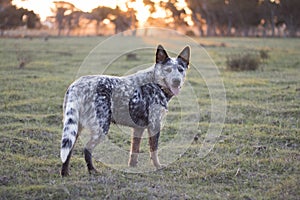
point(257, 155)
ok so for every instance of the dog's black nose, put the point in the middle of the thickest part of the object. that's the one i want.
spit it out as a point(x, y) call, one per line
point(176, 82)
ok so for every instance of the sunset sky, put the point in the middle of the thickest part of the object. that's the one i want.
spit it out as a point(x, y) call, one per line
point(43, 8)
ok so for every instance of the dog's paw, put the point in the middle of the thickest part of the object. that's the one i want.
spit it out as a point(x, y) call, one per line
point(93, 171)
point(160, 166)
point(133, 160)
point(64, 173)
point(132, 163)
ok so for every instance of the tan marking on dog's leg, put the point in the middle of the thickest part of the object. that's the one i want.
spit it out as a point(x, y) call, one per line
point(135, 146)
point(154, 159)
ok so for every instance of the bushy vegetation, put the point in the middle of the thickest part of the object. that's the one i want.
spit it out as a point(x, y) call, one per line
point(243, 62)
point(264, 54)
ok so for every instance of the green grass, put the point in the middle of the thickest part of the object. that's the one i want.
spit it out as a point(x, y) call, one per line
point(257, 155)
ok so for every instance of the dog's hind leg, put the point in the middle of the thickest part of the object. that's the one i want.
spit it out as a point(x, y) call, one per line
point(90, 146)
point(65, 166)
point(135, 146)
point(98, 128)
point(100, 122)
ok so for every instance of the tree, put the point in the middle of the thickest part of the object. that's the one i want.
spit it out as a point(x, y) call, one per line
point(290, 15)
point(66, 16)
point(4, 4)
point(177, 16)
point(220, 16)
point(72, 20)
point(174, 15)
point(12, 17)
point(99, 14)
point(32, 20)
point(195, 7)
point(123, 20)
point(245, 15)
point(203, 15)
point(269, 12)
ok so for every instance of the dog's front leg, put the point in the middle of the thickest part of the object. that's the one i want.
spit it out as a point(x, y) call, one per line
point(156, 115)
point(135, 146)
point(153, 143)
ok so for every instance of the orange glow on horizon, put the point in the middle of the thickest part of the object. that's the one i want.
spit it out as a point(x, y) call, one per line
point(43, 8)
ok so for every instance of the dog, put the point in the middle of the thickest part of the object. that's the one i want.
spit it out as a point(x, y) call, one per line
point(139, 101)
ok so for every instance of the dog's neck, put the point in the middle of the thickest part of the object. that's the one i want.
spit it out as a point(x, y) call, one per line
point(167, 92)
point(142, 77)
point(148, 76)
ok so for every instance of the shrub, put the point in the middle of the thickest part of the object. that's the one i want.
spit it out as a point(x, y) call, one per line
point(240, 62)
point(264, 54)
point(131, 56)
point(190, 33)
point(23, 56)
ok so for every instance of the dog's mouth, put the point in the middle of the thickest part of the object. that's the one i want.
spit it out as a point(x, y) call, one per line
point(175, 90)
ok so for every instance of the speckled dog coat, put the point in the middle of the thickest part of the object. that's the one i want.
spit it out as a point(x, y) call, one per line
point(139, 101)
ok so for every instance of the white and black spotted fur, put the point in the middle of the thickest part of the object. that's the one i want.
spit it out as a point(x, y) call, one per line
point(138, 101)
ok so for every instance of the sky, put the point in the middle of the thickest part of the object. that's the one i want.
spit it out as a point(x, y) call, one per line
point(43, 7)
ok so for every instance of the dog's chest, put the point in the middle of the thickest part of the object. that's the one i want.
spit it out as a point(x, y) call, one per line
point(147, 102)
point(134, 105)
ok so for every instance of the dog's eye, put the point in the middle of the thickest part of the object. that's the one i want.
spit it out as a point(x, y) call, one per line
point(180, 69)
point(168, 70)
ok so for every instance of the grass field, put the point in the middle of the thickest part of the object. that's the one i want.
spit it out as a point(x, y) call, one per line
point(257, 155)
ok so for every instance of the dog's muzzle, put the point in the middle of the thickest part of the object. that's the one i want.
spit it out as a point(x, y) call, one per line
point(175, 87)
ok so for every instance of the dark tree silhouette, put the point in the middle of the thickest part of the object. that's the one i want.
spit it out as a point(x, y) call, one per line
point(12, 17)
point(238, 17)
point(99, 14)
point(290, 15)
point(202, 14)
point(176, 14)
point(66, 16)
point(123, 20)
point(269, 12)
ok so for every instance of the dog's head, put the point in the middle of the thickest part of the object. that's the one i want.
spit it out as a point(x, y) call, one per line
point(170, 72)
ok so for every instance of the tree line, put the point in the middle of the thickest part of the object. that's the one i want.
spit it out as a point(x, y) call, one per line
point(67, 17)
point(244, 17)
point(210, 17)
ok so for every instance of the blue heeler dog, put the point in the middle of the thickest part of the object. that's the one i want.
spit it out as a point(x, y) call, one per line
point(139, 101)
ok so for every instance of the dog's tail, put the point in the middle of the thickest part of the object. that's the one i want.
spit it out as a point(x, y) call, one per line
point(71, 123)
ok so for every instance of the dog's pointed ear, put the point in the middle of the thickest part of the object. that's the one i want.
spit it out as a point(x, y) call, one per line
point(185, 55)
point(161, 54)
